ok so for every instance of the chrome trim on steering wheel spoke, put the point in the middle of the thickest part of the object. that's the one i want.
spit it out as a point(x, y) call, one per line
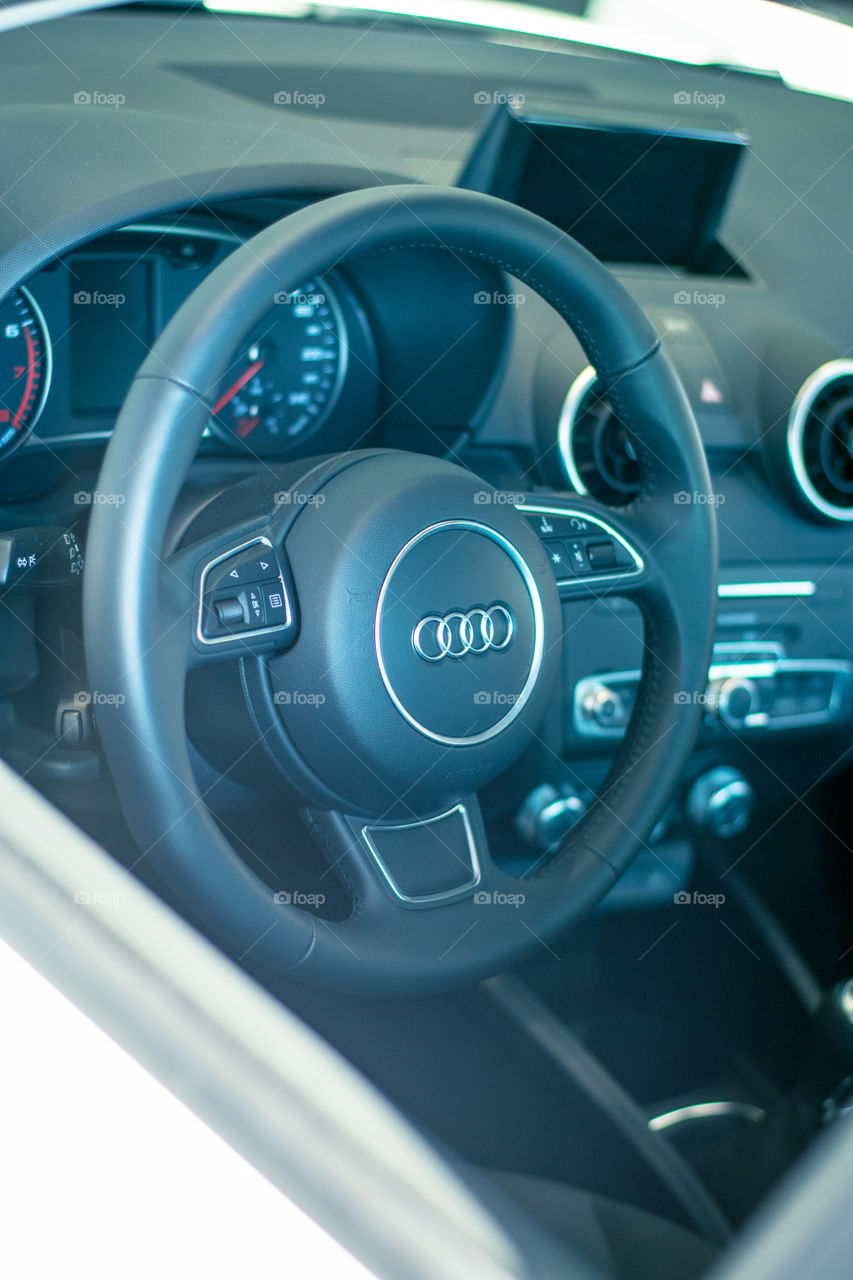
point(231, 637)
point(430, 899)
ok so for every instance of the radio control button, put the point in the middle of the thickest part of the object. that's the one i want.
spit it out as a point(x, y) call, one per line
point(230, 612)
point(559, 558)
point(275, 603)
point(578, 557)
point(602, 555)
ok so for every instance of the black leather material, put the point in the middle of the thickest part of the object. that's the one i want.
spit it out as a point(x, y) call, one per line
point(133, 646)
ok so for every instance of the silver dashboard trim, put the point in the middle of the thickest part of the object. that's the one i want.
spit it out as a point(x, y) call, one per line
point(843, 671)
point(80, 438)
point(741, 648)
point(175, 229)
point(707, 1111)
point(764, 590)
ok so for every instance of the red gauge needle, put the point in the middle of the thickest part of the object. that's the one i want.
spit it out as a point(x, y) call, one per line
point(245, 377)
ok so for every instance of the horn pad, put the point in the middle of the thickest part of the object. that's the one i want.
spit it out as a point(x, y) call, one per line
point(429, 616)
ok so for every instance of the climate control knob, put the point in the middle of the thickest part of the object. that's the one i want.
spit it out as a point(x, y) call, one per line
point(548, 814)
point(721, 801)
point(734, 699)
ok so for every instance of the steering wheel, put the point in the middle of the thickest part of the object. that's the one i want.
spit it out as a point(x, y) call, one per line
point(382, 631)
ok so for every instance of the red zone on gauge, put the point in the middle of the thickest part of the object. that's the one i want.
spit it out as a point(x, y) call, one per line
point(25, 369)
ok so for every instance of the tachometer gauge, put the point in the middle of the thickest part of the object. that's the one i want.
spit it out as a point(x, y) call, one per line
point(24, 368)
point(286, 379)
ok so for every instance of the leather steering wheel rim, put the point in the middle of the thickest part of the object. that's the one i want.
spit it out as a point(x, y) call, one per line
point(135, 645)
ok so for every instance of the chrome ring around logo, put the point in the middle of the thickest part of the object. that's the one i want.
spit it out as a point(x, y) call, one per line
point(457, 634)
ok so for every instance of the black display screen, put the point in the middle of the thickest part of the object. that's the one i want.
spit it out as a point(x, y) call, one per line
point(629, 193)
point(110, 325)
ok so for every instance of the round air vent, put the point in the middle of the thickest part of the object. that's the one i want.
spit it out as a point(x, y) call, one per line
point(820, 440)
point(597, 450)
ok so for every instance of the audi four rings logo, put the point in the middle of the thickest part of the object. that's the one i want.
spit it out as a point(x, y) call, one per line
point(457, 634)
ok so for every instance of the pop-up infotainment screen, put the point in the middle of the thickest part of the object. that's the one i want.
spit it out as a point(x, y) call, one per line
point(631, 193)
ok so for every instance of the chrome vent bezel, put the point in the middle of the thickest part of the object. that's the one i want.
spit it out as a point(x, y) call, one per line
point(575, 406)
point(799, 417)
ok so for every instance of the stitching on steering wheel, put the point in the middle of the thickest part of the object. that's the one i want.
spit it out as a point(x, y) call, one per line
point(571, 319)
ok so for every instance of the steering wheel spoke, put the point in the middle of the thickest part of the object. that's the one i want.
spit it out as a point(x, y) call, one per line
point(426, 894)
point(409, 862)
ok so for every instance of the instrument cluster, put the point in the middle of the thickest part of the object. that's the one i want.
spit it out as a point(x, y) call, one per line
point(72, 339)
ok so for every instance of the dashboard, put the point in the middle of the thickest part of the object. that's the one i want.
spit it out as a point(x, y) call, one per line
point(130, 207)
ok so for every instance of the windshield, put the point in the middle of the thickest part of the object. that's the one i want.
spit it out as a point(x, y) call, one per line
point(809, 50)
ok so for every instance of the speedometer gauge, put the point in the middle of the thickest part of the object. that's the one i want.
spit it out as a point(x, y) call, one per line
point(24, 368)
point(285, 380)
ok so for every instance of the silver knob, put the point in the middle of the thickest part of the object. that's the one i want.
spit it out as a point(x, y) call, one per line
point(721, 801)
point(735, 698)
point(548, 814)
point(605, 706)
